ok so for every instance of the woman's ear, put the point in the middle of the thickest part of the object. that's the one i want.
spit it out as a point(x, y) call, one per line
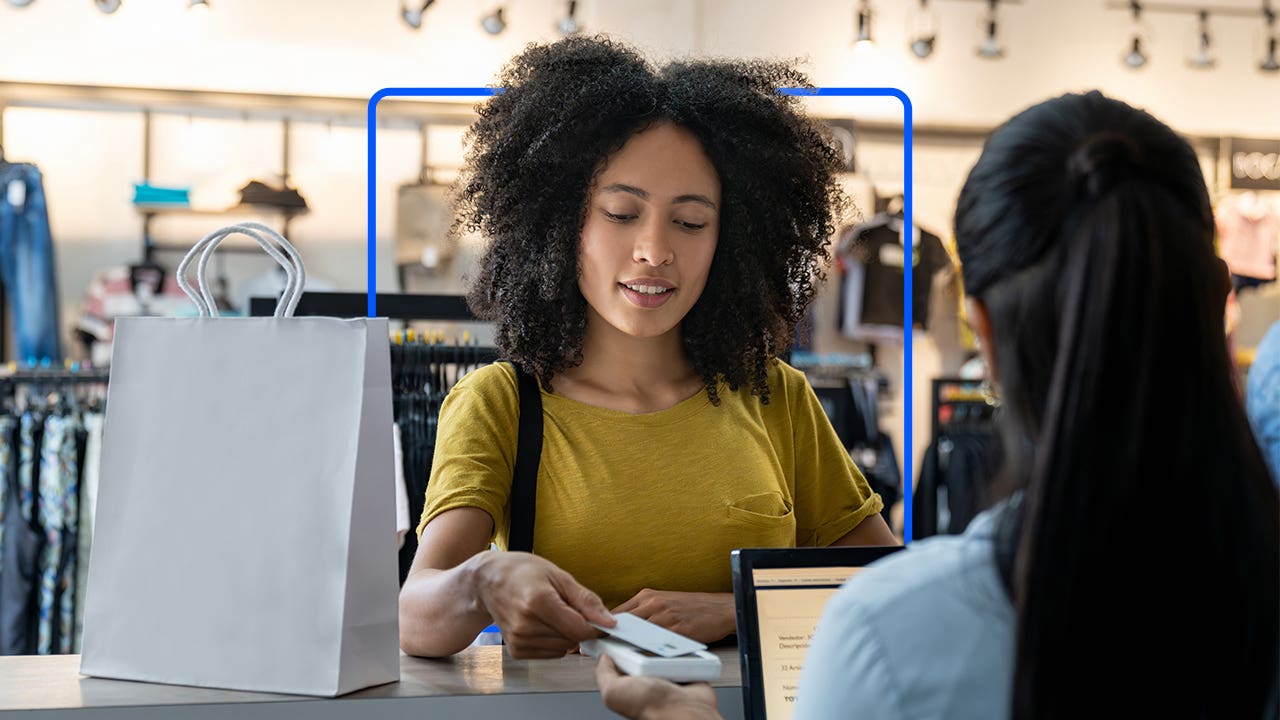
point(980, 321)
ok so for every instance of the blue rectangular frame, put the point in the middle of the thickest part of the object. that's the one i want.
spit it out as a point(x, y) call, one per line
point(483, 92)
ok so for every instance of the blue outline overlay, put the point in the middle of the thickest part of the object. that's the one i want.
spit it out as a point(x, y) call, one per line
point(482, 92)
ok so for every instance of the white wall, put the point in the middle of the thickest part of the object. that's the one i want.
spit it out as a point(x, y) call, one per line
point(353, 47)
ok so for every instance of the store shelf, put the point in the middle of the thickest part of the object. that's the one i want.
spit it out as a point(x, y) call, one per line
point(231, 211)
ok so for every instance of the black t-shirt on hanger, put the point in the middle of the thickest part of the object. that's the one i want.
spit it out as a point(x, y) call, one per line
point(880, 250)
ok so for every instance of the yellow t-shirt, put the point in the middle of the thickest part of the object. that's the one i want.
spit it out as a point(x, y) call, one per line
point(657, 500)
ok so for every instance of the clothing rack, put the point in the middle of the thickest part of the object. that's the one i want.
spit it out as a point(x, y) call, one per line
point(51, 446)
point(960, 461)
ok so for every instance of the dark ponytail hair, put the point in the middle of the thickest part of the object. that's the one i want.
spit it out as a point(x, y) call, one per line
point(1143, 557)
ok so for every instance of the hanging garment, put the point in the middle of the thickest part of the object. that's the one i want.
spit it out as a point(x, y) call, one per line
point(69, 462)
point(880, 250)
point(56, 481)
point(88, 505)
point(402, 494)
point(19, 594)
point(1248, 236)
point(7, 427)
point(27, 263)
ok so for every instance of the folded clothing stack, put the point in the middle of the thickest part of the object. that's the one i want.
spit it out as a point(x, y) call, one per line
point(259, 193)
point(148, 194)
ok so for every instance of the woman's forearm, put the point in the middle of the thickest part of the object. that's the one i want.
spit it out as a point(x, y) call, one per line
point(440, 611)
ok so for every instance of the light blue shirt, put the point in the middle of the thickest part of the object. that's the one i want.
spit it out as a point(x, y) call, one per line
point(1264, 397)
point(924, 633)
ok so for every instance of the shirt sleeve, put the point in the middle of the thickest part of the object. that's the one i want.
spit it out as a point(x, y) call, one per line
point(832, 496)
point(846, 672)
point(476, 447)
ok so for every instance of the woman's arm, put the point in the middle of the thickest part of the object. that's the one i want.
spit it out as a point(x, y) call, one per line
point(456, 587)
point(873, 530)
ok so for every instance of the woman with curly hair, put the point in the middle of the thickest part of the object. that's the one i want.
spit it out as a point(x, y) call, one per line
point(654, 239)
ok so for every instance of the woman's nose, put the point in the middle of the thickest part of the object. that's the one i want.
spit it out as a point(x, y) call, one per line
point(652, 246)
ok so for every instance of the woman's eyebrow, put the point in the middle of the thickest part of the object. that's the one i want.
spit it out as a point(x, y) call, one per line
point(644, 194)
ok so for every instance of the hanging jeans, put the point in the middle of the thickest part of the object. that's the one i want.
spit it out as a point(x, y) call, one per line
point(27, 264)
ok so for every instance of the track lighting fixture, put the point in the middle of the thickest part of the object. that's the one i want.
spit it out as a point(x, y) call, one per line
point(568, 24)
point(198, 5)
point(1201, 58)
point(107, 6)
point(923, 31)
point(862, 26)
point(1269, 63)
point(412, 16)
point(494, 23)
point(1136, 57)
point(991, 47)
point(20, 3)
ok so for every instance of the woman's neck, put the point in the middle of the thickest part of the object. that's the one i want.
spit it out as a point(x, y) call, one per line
point(627, 373)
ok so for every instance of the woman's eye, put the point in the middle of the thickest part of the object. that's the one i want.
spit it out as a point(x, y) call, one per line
point(618, 217)
point(690, 226)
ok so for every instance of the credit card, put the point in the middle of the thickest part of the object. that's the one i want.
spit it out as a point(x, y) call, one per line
point(648, 636)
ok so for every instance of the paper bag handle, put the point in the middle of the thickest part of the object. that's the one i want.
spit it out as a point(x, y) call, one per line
point(295, 273)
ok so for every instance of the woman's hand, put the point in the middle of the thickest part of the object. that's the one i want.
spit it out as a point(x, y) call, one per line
point(542, 611)
point(646, 698)
point(705, 617)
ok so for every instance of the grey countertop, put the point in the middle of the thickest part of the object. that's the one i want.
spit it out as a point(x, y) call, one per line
point(480, 682)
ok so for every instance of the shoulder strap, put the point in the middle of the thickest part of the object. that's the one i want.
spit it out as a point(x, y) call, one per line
point(524, 483)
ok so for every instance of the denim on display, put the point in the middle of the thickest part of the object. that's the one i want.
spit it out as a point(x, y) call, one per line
point(27, 263)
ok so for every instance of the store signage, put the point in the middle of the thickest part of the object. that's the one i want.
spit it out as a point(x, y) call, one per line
point(1255, 164)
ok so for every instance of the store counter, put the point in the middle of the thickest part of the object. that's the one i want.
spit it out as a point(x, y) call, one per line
point(478, 683)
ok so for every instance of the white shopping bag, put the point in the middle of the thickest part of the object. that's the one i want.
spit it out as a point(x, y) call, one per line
point(245, 532)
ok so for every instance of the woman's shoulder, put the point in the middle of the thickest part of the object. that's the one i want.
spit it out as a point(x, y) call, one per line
point(952, 577)
point(490, 385)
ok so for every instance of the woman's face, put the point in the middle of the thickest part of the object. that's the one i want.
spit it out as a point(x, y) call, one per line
point(650, 233)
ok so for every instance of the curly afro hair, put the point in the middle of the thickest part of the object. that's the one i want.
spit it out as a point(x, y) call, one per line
point(537, 147)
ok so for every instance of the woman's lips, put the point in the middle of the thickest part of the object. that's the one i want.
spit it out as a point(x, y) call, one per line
point(645, 300)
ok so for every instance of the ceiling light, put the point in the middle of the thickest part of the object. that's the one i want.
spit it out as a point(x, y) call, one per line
point(1135, 57)
point(862, 20)
point(20, 3)
point(1269, 63)
point(923, 31)
point(991, 47)
point(107, 6)
point(494, 23)
point(413, 16)
point(198, 5)
point(568, 25)
point(1201, 58)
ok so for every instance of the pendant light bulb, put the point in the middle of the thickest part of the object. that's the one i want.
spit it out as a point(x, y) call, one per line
point(862, 26)
point(1136, 57)
point(107, 6)
point(1202, 58)
point(413, 16)
point(1271, 41)
point(198, 5)
point(568, 25)
point(923, 30)
point(991, 48)
point(494, 23)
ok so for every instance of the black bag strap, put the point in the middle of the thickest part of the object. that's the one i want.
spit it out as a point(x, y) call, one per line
point(524, 483)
